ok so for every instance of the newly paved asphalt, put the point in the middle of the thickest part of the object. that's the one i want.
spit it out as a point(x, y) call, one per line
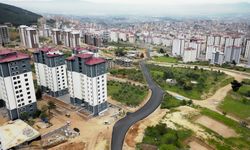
point(121, 127)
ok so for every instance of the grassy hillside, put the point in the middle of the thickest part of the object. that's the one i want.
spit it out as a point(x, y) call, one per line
point(17, 16)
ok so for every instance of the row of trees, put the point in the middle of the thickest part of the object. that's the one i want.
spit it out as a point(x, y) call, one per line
point(131, 74)
point(44, 113)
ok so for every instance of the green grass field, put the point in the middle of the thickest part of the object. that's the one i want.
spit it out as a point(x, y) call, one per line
point(238, 103)
point(127, 93)
point(242, 142)
point(166, 59)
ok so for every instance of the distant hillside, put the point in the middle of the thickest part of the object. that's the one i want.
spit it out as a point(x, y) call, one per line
point(17, 16)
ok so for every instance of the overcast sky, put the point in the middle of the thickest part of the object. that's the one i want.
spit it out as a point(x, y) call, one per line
point(134, 7)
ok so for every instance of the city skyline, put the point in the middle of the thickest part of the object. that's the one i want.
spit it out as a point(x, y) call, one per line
point(129, 7)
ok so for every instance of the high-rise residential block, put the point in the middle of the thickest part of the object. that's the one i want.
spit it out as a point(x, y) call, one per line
point(29, 36)
point(50, 67)
point(87, 77)
point(16, 84)
point(56, 36)
point(217, 58)
point(4, 35)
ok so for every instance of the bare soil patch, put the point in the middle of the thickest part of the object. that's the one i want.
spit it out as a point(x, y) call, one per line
point(216, 126)
point(71, 146)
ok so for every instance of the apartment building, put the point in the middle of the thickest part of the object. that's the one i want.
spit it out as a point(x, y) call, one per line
point(178, 47)
point(75, 39)
point(56, 36)
point(189, 54)
point(232, 53)
point(217, 58)
point(87, 78)
point(29, 36)
point(16, 84)
point(4, 35)
point(50, 67)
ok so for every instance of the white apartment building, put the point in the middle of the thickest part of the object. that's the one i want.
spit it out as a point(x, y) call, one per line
point(217, 58)
point(114, 36)
point(247, 49)
point(189, 55)
point(29, 36)
point(16, 84)
point(51, 71)
point(123, 36)
point(178, 47)
point(87, 77)
point(232, 53)
point(4, 35)
point(75, 39)
point(56, 36)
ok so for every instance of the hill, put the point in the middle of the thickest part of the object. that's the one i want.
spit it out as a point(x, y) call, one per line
point(16, 15)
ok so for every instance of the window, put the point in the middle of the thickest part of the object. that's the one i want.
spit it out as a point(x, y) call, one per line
point(27, 84)
point(18, 77)
point(14, 78)
point(27, 88)
point(25, 75)
point(15, 82)
point(28, 93)
point(26, 79)
point(29, 97)
point(30, 102)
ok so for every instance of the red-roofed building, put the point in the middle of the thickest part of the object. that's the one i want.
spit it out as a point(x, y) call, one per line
point(87, 77)
point(16, 86)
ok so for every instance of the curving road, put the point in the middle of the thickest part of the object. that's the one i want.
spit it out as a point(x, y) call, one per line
point(121, 127)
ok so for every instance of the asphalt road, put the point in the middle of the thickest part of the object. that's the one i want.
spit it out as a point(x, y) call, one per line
point(121, 127)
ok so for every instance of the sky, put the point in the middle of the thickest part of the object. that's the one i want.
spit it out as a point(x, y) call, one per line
point(134, 7)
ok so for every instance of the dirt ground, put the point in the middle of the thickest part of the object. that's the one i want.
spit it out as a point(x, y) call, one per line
point(94, 133)
point(71, 146)
point(136, 132)
point(216, 126)
point(196, 146)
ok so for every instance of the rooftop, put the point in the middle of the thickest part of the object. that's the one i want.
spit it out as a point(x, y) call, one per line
point(95, 61)
point(16, 133)
point(9, 56)
point(84, 55)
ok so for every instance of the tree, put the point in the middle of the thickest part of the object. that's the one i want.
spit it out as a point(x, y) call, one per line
point(196, 68)
point(235, 85)
point(24, 116)
point(234, 62)
point(142, 55)
point(38, 93)
point(51, 106)
point(162, 50)
point(119, 52)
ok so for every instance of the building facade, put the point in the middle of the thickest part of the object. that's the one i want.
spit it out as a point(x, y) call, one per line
point(17, 88)
point(232, 53)
point(4, 35)
point(189, 55)
point(51, 71)
point(56, 36)
point(217, 58)
point(29, 36)
point(88, 82)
